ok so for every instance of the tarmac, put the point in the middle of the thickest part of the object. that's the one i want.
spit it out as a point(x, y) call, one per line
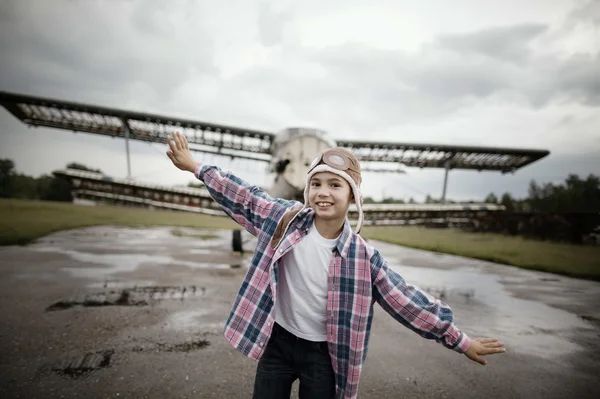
point(110, 312)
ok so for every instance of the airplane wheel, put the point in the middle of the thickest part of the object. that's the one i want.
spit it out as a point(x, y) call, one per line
point(236, 241)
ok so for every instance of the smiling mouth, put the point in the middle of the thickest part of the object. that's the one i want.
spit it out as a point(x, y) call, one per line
point(324, 204)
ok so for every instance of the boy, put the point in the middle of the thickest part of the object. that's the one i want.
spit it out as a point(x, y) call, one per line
point(305, 307)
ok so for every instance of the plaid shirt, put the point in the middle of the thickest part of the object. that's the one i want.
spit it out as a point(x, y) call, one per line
point(358, 278)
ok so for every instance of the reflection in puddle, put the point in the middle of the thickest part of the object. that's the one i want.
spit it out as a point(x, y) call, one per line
point(194, 321)
point(484, 308)
point(119, 263)
point(115, 284)
point(202, 251)
point(144, 240)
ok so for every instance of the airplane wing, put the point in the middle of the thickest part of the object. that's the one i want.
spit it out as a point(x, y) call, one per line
point(203, 136)
point(505, 160)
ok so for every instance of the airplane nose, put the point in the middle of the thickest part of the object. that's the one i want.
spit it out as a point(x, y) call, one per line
point(281, 165)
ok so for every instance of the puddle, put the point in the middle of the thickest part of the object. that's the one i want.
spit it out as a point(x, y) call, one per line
point(144, 240)
point(137, 296)
point(194, 321)
point(80, 365)
point(122, 263)
point(202, 251)
point(483, 307)
point(121, 284)
point(181, 347)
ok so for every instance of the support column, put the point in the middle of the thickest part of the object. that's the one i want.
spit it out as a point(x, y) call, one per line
point(127, 134)
point(446, 170)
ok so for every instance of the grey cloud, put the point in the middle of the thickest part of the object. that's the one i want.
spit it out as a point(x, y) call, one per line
point(579, 77)
point(566, 120)
point(94, 49)
point(271, 24)
point(507, 43)
point(587, 12)
point(391, 87)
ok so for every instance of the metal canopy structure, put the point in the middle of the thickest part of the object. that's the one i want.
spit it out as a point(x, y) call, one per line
point(256, 145)
point(439, 156)
point(209, 137)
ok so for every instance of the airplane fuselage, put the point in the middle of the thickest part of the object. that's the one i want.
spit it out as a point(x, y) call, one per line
point(293, 149)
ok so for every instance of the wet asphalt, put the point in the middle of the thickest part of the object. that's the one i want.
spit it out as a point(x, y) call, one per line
point(109, 312)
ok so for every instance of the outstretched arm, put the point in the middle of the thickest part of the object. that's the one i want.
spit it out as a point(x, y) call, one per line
point(179, 153)
point(248, 205)
point(423, 314)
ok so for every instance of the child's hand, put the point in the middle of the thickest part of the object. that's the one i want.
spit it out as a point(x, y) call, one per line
point(180, 153)
point(484, 346)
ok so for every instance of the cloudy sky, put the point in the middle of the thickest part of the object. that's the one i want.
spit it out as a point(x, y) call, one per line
point(476, 72)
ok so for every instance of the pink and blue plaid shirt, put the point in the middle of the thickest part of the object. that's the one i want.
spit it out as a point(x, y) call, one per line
point(359, 277)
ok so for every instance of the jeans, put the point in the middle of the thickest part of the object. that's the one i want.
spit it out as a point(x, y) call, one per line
point(288, 358)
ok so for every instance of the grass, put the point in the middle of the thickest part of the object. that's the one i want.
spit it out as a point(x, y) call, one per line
point(22, 222)
point(566, 259)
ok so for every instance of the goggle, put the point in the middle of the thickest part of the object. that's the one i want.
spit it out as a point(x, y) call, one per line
point(336, 159)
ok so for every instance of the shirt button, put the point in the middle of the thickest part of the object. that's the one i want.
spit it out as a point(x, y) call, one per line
point(269, 323)
point(260, 343)
point(281, 250)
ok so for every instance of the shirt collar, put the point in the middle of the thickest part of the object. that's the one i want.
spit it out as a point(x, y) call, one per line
point(307, 218)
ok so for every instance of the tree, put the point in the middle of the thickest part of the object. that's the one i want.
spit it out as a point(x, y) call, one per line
point(6, 171)
point(58, 189)
point(392, 200)
point(23, 186)
point(430, 200)
point(78, 166)
point(368, 200)
point(508, 202)
point(491, 199)
point(575, 195)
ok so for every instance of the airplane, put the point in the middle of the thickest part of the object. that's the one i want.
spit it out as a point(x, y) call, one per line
point(288, 153)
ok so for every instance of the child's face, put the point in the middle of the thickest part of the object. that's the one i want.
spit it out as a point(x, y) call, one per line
point(329, 195)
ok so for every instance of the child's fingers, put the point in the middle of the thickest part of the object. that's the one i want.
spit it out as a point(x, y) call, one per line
point(486, 340)
point(180, 141)
point(491, 351)
point(480, 360)
point(494, 345)
point(171, 143)
point(176, 141)
point(171, 156)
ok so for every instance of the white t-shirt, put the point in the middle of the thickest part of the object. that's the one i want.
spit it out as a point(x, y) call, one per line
point(301, 305)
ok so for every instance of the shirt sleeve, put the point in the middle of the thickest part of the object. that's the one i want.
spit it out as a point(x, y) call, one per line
point(246, 204)
point(415, 309)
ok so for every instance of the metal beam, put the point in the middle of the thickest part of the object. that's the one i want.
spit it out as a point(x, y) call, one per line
point(127, 134)
point(446, 170)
